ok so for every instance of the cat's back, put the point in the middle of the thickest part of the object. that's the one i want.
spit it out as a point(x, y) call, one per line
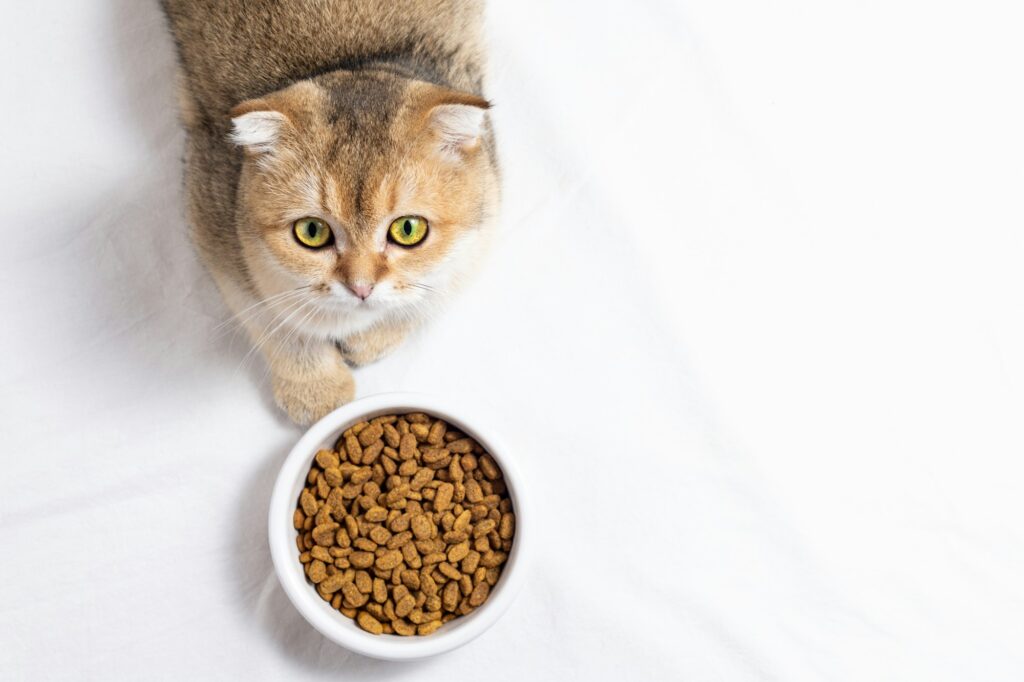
point(233, 50)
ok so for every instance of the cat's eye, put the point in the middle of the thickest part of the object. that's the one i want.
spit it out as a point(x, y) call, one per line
point(313, 233)
point(408, 230)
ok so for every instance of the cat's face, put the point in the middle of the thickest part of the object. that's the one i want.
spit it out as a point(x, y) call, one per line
point(367, 193)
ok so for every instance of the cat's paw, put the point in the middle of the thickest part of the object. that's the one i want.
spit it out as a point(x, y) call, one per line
point(310, 397)
point(362, 354)
point(369, 346)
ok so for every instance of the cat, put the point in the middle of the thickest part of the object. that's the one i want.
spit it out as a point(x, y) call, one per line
point(341, 173)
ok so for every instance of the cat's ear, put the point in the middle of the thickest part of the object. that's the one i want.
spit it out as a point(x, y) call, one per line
point(459, 125)
point(256, 126)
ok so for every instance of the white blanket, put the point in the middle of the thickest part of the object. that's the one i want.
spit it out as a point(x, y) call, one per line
point(754, 325)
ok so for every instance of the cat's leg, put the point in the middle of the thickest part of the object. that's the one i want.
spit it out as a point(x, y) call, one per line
point(308, 374)
point(310, 378)
point(372, 344)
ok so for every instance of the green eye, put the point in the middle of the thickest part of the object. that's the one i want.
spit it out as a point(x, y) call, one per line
point(313, 233)
point(408, 230)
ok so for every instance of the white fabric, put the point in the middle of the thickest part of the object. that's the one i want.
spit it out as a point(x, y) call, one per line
point(754, 325)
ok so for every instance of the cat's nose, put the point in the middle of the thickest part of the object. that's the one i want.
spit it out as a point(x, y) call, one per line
point(360, 289)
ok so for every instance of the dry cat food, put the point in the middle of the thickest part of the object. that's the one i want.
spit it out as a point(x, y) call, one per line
point(405, 525)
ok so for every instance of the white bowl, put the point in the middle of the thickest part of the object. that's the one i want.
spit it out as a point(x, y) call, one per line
point(331, 623)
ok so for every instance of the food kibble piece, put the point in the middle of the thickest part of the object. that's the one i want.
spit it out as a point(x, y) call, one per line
point(483, 528)
point(364, 544)
point(380, 591)
point(405, 605)
point(489, 467)
point(405, 526)
point(317, 571)
point(450, 596)
point(370, 435)
point(380, 535)
point(369, 623)
point(389, 560)
point(461, 446)
point(407, 447)
point(324, 533)
point(422, 526)
point(443, 499)
point(479, 594)
point(427, 628)
point(333, 583)
point(353, 450)
point(436, 434)
point(361, 559)
point(327, 459)
point(458, 552)
point(376, 514)
point(434, 455)
point(402, 627)
point(371, 453)
point(307, 503)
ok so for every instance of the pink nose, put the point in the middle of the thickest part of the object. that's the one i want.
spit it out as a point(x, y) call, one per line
point(360, 289)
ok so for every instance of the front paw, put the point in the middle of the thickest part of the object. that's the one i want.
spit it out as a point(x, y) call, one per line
point(367, 347)
point(307, 398)
point(357, 356)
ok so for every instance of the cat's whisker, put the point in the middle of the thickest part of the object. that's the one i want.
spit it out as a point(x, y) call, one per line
point(265, 301)
point(424, 287)
point(246, 326)
point(293, 333)
point(249, 311)
point(246, 323)
point(282, 325)
point(265, 337)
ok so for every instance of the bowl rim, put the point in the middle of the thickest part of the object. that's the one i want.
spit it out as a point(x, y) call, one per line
point(281, 531)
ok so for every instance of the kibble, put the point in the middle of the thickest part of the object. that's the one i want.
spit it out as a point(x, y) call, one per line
point(404, 525)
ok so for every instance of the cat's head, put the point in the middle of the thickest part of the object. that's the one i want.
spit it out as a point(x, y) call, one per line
point(369, 189)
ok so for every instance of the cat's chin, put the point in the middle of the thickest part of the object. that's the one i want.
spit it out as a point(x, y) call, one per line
point(354, 308)
point(339, 319)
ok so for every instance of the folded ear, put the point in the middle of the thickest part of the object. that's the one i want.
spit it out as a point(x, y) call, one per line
point(459, 124)
point(256, 126)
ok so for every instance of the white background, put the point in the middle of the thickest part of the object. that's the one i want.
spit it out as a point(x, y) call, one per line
point(754, 324)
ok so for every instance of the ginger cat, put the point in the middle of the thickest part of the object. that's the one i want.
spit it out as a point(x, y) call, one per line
point(341, 173)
